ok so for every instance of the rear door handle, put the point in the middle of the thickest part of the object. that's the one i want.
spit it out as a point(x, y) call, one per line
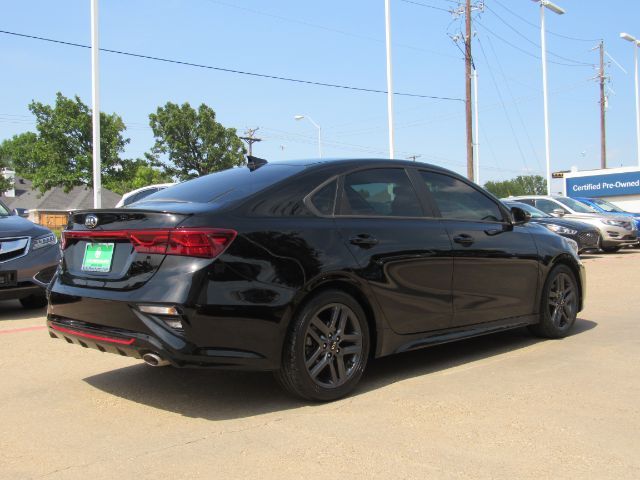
point(364, 240)
point(464, 239)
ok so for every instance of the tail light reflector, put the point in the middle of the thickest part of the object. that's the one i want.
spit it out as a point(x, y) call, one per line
point(187, 242)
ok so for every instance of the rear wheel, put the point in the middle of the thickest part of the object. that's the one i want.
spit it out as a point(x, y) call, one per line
point(559, 304)
point(610, 249)
point(34, 301)
point(327, 348)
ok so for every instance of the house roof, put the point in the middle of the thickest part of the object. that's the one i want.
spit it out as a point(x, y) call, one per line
point(56, 199)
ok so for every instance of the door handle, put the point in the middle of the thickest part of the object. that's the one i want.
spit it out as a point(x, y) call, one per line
point(364, 240)
point(464, 240)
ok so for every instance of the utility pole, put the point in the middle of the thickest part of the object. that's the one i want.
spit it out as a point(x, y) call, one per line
point(469, 113)
point(250, 138)
point(603, 110)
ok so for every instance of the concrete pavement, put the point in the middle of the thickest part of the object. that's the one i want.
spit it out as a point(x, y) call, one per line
point(504, 406)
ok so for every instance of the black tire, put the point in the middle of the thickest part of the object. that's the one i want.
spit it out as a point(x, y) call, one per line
point(326, 349)
point(34, 301)
point(559, 304)
point(610, 249)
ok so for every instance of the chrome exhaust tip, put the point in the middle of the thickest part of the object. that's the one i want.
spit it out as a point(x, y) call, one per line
point(154, 360)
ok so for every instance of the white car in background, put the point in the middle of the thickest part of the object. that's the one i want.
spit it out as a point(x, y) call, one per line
point(137, 195)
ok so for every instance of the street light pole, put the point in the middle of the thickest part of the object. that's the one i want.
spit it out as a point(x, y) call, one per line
point(636, 42)
point(476, 168)
point(543, 39)
point(300, 117)
point(95, 112)
point(387, 15)
point(545, 93)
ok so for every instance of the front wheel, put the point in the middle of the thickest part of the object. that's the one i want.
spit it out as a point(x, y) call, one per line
point(559, 306)
point(326, 349)
point(610, 249)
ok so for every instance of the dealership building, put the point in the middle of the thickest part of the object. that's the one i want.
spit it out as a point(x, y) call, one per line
point(620, 186)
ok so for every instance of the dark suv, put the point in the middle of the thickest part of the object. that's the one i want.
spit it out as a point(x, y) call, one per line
point(29, 256)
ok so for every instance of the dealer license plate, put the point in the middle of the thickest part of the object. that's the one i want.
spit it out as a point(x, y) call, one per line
point(98, 257)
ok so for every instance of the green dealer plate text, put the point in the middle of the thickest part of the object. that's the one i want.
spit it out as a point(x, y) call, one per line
point(98, 257)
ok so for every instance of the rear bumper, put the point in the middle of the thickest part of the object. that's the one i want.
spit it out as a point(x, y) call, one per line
point(176, 351)
point(249, 338)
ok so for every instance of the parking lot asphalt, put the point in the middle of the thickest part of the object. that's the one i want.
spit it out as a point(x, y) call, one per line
point(503, 406)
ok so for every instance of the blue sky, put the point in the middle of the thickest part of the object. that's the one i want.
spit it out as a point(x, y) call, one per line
point(338, 42)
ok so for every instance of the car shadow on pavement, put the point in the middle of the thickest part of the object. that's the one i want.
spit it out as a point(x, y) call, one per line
point(12, 310)
point(223, 395)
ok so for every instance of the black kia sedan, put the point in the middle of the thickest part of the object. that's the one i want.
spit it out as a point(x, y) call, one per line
point(585, 235)
point(309, 269)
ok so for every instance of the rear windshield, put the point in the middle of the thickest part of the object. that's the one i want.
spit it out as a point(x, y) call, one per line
point(227, 185)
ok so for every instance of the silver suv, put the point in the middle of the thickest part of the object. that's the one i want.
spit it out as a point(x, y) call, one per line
point(615, 231)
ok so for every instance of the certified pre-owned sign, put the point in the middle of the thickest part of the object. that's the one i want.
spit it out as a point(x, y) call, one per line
point(611, 185)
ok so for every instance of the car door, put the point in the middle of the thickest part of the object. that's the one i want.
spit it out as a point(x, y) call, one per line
point(495, 262)
point(404, 255)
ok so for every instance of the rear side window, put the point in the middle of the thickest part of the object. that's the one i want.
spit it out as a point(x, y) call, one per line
point(324, 199)
point(227, 185)
point(383, 192)
point(457, 200)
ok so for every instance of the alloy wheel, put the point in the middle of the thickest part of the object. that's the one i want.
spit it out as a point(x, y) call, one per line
point(333, 345)
point(562, 300)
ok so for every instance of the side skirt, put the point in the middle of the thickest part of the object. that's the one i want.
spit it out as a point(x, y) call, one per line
point(406, 343)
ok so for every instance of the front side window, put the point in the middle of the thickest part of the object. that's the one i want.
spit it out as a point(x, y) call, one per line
point(576, 206)
point(547, 206)
point(459, 201)
point(533, 211)
point(380, 192)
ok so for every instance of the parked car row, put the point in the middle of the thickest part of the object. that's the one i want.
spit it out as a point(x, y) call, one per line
point(614, 230)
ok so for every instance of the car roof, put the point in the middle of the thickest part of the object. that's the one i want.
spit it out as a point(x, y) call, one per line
point(147, 187)
point(356, 162)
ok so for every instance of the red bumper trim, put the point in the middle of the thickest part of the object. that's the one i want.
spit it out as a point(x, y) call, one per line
point(93, 337)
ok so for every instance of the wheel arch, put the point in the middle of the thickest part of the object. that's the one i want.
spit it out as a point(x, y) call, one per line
point(568, 261)
point(356, 290)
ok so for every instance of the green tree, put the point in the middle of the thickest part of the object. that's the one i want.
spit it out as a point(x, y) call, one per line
point(18, 153)
point(136, 174)
point(521, 185)
point(193, 141)
point(62, 154)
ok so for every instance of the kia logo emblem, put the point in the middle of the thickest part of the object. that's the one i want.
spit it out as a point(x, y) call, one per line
point(91, 221)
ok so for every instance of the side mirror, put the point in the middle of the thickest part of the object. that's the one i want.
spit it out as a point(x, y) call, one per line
point(21, 212)
point(559, 212)
point(520, 217)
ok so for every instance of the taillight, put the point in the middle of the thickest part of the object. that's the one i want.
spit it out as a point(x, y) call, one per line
point(188, 242)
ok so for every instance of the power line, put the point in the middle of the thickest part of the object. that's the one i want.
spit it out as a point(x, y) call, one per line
point(515, 105)
point(230, 70)
point(520, 34)
point(502, 39)
point(568, 37)
point(325, 28)
point(495, 83)
point(427, 6)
